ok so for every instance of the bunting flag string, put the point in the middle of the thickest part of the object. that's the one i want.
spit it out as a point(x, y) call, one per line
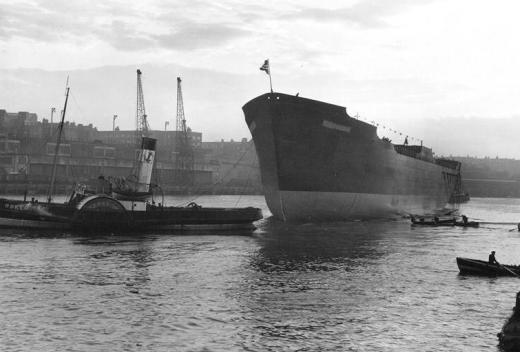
point(407, 137)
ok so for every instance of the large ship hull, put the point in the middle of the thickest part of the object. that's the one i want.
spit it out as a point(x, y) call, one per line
point(318, 163)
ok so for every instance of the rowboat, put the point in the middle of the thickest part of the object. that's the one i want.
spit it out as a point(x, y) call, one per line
point(450, 221)
point(433, 221)
point(467, 224)
point(480, 267)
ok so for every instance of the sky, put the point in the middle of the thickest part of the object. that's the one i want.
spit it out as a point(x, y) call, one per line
point(442, 71)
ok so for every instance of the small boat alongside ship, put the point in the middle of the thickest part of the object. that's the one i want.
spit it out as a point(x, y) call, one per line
point(442, 221)
point(469, 266)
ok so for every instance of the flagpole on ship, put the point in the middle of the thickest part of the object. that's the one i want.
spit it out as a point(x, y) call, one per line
point(270, 79)
point(265, 67)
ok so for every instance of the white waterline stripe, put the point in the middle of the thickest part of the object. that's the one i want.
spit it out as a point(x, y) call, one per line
point(335, 126)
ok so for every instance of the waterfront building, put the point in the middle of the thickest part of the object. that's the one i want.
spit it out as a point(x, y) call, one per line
point(27, 148)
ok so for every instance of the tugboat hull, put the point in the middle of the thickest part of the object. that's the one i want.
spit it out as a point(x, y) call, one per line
point(101, 212)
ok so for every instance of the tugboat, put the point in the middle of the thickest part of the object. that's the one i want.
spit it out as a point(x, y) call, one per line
point(120, 204)
point(122, 209)
point(129, 205)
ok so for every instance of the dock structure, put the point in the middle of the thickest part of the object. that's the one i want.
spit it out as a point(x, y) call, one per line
point(28, 145)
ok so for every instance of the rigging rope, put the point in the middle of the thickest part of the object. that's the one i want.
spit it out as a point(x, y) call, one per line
point(79, 108)
point(248, 181)
point(222, 177)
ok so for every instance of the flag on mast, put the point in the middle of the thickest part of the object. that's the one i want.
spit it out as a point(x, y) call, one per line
point(265, 67)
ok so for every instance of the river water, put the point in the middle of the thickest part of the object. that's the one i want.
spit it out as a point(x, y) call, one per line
point(350, 286)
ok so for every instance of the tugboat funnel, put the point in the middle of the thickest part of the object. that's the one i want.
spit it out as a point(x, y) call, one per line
point(145, 160)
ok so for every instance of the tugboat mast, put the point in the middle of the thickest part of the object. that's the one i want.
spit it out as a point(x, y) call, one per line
point(58, 142)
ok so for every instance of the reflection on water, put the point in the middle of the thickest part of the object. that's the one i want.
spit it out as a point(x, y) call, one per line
point(360, 286)
point(288, 247)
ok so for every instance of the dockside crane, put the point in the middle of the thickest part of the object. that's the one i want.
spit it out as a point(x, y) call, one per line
point(141, 121)
point(184, 152)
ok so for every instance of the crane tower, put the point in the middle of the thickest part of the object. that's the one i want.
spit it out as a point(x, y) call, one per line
point(184, 152)
point(140, 116)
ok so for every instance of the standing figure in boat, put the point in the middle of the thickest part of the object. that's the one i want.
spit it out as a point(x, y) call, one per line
point(492, 259)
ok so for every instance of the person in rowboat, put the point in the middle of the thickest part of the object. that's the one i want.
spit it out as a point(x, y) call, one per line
point(492, 259)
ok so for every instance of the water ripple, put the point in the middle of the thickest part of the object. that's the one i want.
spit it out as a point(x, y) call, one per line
point(355, 286)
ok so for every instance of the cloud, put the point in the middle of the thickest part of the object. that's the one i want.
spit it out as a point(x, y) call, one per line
point(125, 37)
point(44, 23)
point(365, 13)
point(126, 27)
point(192, 36)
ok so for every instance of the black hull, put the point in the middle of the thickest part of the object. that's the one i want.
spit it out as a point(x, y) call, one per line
point(509, 336)
point(109, 214)
point(318, 163)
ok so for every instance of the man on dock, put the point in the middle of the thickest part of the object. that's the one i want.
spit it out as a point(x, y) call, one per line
point(492, 259)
